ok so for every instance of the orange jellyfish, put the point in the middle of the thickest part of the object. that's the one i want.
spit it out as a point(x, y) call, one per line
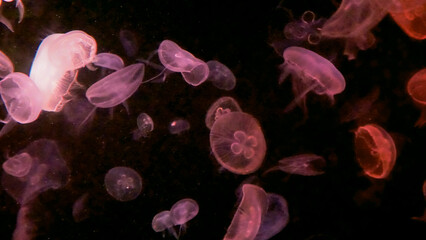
point(249, 215)
point(375, 150)
point(416, 88)
point(238, 143)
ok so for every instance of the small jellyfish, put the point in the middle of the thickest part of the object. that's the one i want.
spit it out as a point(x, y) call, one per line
point(48, 171)
point(163, 221)
point(6, 66)
point(353, 22)
point(306, 29)
point(416, 88)
point(249, 215)
point(220, 107)
point(221, 76)
point(145, 126)
point(18, 165)
point(174, 58)
point(21, 96)
point(129, 42)
point(80, 211)
point(183, 211)
point(310, 72)
point(123, 183)
point(375, 150)
point(108, 60)
point(275, 218)
point(178, 126)
point(238, 143)
point(55, 66)
point(303, 164)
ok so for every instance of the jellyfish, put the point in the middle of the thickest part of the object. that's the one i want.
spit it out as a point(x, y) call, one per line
point(163, 221)
point(353, 22)
point(21, 9)
point(375, 150)
point(306, 29)
point(221, 76)
point(310, 72)
point(108, 60)
point(145, 126)
point(178, 126)
point(183, 211)
point(25, 227)
point(304, 164)
point(416, 88)
point(238, 143)
point(6, 66)
point(220, 107)
point(55, 66)
point(123, 183)
point(22, 97)
point(129, 42)
point(275, 218)
point(48, 170)
point(79, 208)
point(249, 215)
point(194, 71)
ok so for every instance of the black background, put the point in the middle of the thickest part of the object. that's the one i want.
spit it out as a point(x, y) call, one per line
point(341, 204)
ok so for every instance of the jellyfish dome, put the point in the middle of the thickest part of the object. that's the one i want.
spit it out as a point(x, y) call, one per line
point(310, 72)
point(416, 88)
point(6, 65)
point(238, 143)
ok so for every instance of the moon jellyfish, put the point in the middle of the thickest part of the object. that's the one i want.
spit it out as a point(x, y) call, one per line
point(248, 217)
point(303, 164)
point(48, 171)
point(108, 60)
point(220, 107)
point(416, 88)
point(129, 42)
point(353, 22)
point(123, 183)
point(310, 72)
point(21, 10)
point(145, 126)
point(275, 218)
point(305, 29)
point(18, 165)
point(221, 76)
point(174, 58)
point(163, 221)
point(178, 126)
point(183, 211)
point(238, 143)
point(6, 66)
point(375, 150)
point(21, 96)
point(117, 87)
point(54, 69)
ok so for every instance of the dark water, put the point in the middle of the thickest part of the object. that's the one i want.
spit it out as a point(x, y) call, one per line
point(341, 204)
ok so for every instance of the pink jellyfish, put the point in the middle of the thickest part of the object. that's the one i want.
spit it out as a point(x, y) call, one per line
point(310, 72)
point(123, 183)
point(238, 143)
point(416, 88)
point(220, 107)
point(6, 66)
point(303, 164)
point(21, 11)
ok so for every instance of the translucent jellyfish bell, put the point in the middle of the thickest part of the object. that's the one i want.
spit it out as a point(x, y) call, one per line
point(145, 126)
point(109, 60)
point(353, 22)
point(54, 69)
point(123, 183)
point(303, 164)
point(275, 218)
point(163, 221)
point(183, 211)
point(220, 107)
point(238, 143)
point(48, 170)
point(375, 150)
point(248, 217)
point(306, 29)
point(174, 58)
point(416, 88)
point(221, 76)
point(6, 66)
point(178, 126)
point(310, 72)
point(22, 97)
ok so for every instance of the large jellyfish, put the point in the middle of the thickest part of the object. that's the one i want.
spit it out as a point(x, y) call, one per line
point(54, 69)
point(249, 215)
point(375, 150)
point(353, 22)
point(238, 143)
point(310, 72)
point(416, 88)
point(123, 183)
point(36, 169)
